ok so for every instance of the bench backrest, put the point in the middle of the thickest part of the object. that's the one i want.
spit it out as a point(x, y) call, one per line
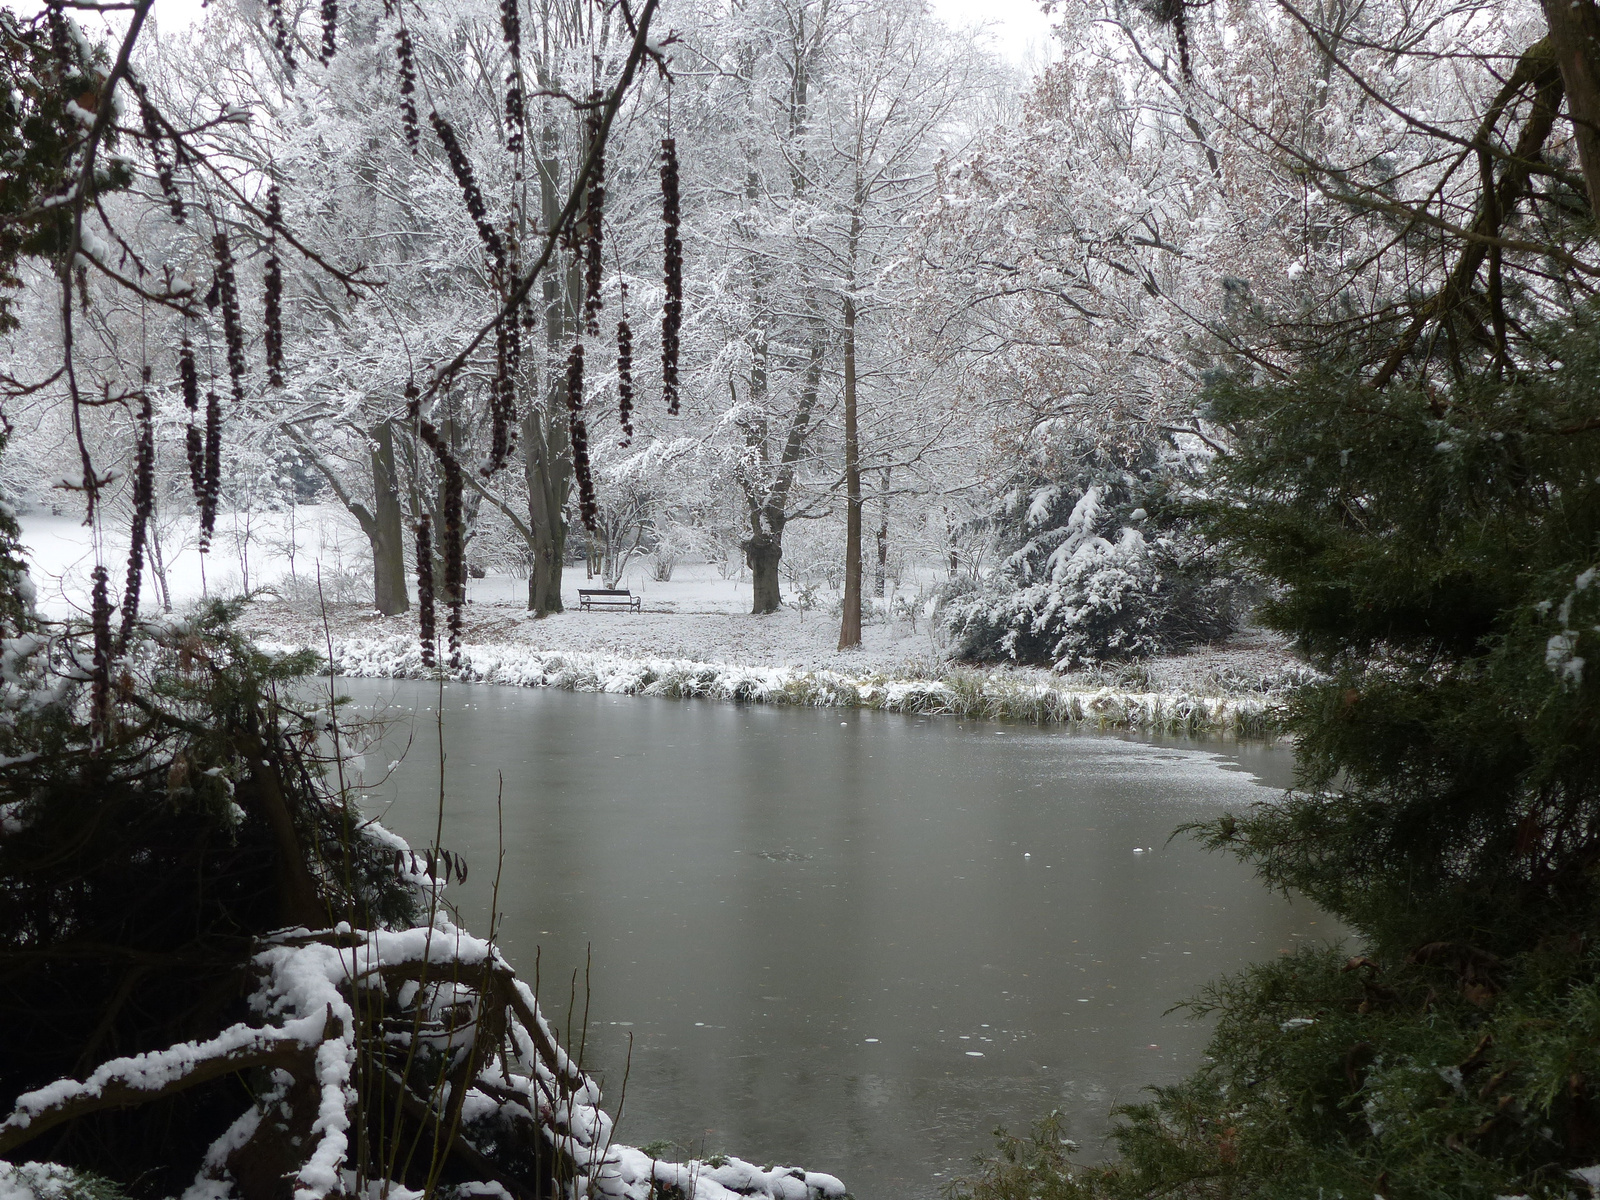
point(604, 592)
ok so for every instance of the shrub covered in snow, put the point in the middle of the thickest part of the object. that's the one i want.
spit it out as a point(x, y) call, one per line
point(1098, 567)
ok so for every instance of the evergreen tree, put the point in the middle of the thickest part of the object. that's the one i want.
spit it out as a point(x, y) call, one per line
point(54, 81)
point(1436, 550)
point(1436, 547)
point(1102, 563)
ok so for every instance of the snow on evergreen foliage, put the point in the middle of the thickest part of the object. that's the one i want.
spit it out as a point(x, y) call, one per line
point(1090, 575)
point(52, 1181)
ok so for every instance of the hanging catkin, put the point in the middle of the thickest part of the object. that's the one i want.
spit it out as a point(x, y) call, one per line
point(272, 277)
point(232, 325)
point(408, 88)
point(194, 447)
point(502, 395)
point(455, 573)
point(625, 371)
point(61, 40)
point(594, 216)
point(470, 194)
point(1180, 29)
point(516, 119)
point(511, 25)
point(211, 480)
point(144, 498)
point(100, 687)
point(188, 377)
point(672, 269)
point(158, 152)
point(425, 588)
point(580, 438)
point(280, 32)
point(330, 25)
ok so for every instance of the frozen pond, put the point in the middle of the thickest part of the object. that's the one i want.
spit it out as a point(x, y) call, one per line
point(847, 940)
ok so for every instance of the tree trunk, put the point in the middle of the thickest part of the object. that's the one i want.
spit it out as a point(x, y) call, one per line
point(1575, 39)
point(158, 566)
point(850, 619)
point(549, 475)
point(546, 442)
point(882, 575)
point(387, 532)
point(764, 551)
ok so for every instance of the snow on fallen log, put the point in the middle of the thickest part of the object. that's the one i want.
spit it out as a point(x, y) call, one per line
point(430, 1024)
point(962, 693)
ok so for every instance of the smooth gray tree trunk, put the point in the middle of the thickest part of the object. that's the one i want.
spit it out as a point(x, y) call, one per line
point(881, 577)
point(386, 529)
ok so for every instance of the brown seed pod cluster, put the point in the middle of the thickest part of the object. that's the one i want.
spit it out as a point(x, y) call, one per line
point(188, 376)
point(511, 26)
point(195, 449)
point(503, 394)
point(61, 41)
point(211, 480)
point(516, 118)
point(144, 501)
point(593, 218)
point(280, 32)
point(455, 572)
point(330, 25)
point(194, 446)
point(625, 371)
point(100, 620)
point(158, 152)
point(579, 433)
point(272, 277)
point(227, 293)
point(470, 195)
point(428, 633)
point(672, 270)
point(408, 88)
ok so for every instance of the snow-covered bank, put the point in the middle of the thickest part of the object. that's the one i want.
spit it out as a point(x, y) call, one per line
point(959, 692)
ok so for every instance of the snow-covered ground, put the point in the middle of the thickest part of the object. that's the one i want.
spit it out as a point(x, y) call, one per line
point(696, 615)
point(247, 550)
point(694, 636)
point(700, 616)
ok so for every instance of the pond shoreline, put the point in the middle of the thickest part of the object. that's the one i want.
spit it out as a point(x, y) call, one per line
point(965, 692)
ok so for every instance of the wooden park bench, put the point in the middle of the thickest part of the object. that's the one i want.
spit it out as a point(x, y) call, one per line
point(592, 598)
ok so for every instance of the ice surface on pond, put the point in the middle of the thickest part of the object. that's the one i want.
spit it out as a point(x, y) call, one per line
point(873, 1009)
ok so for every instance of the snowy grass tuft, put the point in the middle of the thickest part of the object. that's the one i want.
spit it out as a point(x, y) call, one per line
point(958, 692)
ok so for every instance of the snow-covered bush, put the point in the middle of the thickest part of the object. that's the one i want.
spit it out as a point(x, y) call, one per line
point(1091, 574)
point(51, 1181)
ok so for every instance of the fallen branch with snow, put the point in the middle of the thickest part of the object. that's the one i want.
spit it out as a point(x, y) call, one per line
point(407, 1059)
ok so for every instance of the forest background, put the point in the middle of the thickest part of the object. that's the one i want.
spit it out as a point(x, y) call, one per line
point(1241, 308)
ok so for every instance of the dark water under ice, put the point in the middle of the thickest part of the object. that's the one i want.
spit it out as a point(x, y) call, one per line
point(847, 940)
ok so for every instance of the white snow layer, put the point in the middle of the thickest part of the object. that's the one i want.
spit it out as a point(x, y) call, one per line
point(961, 694)
point(305, 1001)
